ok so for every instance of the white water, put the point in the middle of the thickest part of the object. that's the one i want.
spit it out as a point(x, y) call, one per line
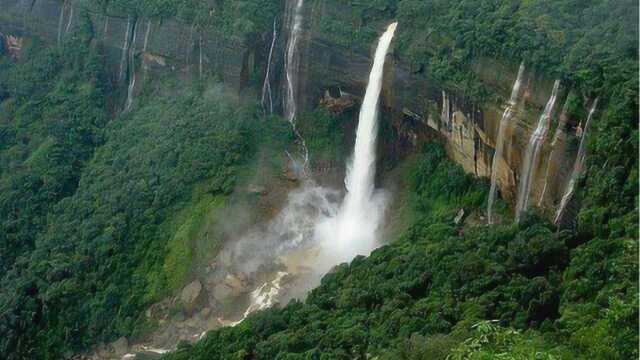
point(446, 115)
point(266, 295)
point(578, 167)
point(292, 65)
point(125, 49)
point(353, 231)
point(146, 36)
point(284, 258)
point(61, 21)
point(70, 19)
point(533, 152)
point(504, 124)
point(105, 30)
point(266, 87)
point(131, 71)
point(312, 230)
point(559, 134)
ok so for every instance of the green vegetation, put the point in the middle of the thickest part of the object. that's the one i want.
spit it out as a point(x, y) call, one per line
point(428, 294)
point(51, 116)
point(102, 218)
point(591, 45)
point(102, 214)
point(245, 19)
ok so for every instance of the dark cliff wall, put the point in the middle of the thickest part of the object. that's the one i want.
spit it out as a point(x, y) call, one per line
point(417, 107)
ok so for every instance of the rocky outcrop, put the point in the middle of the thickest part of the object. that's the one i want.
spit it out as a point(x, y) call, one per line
point(192, 297)
point(417, 107)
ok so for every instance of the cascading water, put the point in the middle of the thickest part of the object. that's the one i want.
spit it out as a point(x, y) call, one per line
point(66, 30)
point(266, 87)
point(353, 231)
point(287, 256)
point(504, 124)
point(105, 30)
point(61, 21)
point(578, 166)
point(125, 49)
point(533, 152)
point(146, 36)
point(559, 136)
point(131, 70)
point(292, 65)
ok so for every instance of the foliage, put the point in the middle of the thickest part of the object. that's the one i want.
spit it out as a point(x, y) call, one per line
point(590, 44)
point(245, 19)
point(50, 123)
point(104, 241)
point(432, 281)
point(490, 341)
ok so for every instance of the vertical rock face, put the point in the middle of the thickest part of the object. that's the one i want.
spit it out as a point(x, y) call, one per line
point(172, 47)
point(416, 108)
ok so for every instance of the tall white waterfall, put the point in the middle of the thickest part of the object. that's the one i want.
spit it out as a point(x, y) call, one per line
point(292, 65)
point(578, 166)
point(504, 124)
point(353, 232)
point(266, 87)
point(533, 152)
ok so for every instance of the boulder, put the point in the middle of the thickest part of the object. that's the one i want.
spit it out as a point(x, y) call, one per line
point(120, 346)
point(192, 296)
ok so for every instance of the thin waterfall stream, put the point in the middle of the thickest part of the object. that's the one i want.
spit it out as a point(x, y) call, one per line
point(504, 124)
point(266, 87)
point(292, 67)
point(578, 167)
point(532, 153)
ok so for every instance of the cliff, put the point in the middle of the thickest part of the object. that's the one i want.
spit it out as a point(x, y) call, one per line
point(417, 107)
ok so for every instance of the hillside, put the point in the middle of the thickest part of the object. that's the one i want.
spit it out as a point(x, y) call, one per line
point(173, 172)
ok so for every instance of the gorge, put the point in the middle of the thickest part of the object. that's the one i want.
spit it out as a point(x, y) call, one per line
point(286, 179)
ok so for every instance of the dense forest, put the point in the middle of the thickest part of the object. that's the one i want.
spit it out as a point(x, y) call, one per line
point(101, 210)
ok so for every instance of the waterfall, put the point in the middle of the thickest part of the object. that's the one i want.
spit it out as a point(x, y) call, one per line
point(354, 230)
point(125, 49)
point(291, 72)
point(61, 21)
point(503, 125)
point(533, 152)
point(146, 37)
point(66, 30)
point(446, 110)
point(131, 70)
point(266, 87)
point(578, 167)
point(200, 45)
point(105, 30)
point(559, 135)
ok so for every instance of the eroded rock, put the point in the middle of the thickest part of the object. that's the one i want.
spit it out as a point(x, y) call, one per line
point(192, 296)
point(120, 346)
